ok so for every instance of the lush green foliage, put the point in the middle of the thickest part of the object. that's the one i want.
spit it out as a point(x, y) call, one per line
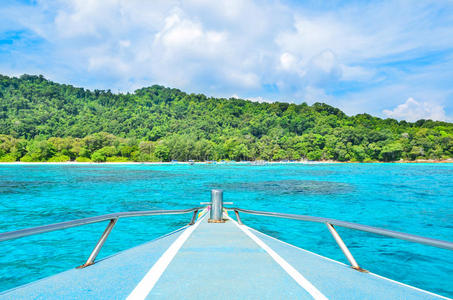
point(44, 121)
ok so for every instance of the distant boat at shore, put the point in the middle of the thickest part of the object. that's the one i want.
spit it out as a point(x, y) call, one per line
point(258, 163)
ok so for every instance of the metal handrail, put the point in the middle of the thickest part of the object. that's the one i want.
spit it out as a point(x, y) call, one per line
point(330, 225)
point(113, 218)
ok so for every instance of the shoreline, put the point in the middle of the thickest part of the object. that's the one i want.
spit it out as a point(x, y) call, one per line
point(225, 163)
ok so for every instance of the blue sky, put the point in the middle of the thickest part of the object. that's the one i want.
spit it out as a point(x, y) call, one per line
point(390, 59)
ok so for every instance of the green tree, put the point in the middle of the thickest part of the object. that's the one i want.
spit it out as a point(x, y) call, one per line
point(391, 152)
point(161, 152)
point(98, 156)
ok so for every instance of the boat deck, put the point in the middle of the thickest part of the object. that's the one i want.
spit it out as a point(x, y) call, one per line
point(216, 261)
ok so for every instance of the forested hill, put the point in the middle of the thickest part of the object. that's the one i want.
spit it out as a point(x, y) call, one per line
point(44, 121)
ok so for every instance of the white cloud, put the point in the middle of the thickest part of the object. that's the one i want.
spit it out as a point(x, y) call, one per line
point(124, 43)
point(413, 110)
point(248, 80)
point(356, 73)
point(311, 36)
point(288, 61)
point(312, 94)
point(260, 99)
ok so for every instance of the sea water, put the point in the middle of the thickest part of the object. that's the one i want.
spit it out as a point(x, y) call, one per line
point(413, 198)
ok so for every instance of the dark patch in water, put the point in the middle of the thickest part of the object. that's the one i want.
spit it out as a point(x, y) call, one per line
point(22, 187)
point(307, 187)
point(123, 176)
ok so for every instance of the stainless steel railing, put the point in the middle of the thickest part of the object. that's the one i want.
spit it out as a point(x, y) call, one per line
point(330, 225)
point(112, 218)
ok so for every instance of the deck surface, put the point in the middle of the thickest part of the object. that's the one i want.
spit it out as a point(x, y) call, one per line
point(216, 261)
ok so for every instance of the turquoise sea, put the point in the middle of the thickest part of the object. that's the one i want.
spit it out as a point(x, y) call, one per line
point(414, 198)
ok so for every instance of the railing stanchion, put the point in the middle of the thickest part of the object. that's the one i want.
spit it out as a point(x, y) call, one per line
point(343, 248)
point(238, 218)
point(194, 217)
point(99, 245)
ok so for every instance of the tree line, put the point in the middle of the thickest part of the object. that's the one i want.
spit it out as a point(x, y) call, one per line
point(41, 120)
